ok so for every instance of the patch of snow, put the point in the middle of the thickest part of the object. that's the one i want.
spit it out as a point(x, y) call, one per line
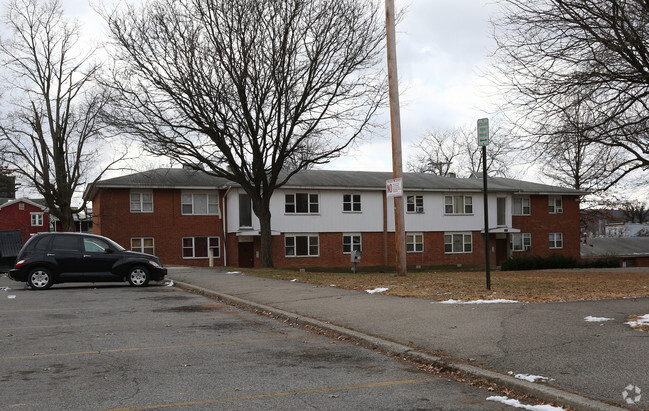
point(376, 290)
point(294, 280)
point(642, 320)
point(5, 288)
point(169, 283)
point(497, 301)
point(591, 319)
point(332, 285)
point(529, 377)
point(11, 296)
point(234, 272)
point(517, 404)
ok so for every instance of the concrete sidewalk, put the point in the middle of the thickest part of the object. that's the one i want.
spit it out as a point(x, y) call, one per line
point(594, 360)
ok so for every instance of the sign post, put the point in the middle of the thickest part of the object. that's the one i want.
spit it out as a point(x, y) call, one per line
point(483, 141)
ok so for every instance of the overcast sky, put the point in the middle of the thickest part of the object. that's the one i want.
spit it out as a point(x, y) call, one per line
point(442, 47)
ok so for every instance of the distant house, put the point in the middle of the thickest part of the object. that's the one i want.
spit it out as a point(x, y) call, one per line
point(320, 216)
point(633, 252)
point(82, 222)
point(25, 215)
point(627, 229)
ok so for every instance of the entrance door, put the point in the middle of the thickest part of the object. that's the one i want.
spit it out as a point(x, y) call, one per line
point(501, 250)
point(246, 255)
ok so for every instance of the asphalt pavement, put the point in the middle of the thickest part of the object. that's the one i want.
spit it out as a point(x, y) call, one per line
point(581, 364)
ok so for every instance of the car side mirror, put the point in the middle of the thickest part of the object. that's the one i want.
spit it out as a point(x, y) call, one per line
point(109, 251)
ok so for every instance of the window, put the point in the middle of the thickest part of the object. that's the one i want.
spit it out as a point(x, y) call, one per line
point(556, 205)
point(301, 203)
point(458, 204)
point(458, 243)
point(141, 202)
point(197, 247)
point(143, 245)
point(66, 243)
point(521, 241)
point(501, 216)
point(351, 242)
point(21, 206)
point(352, 203)
point(37, 219)
point(556, 240)
point(200, 204)
point(94, 245)
point(245, 211)
point(521, 206)
point(415, 243)
point(301, 246)
point(415, 204)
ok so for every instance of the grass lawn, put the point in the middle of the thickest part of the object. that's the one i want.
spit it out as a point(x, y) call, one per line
point(528, 286)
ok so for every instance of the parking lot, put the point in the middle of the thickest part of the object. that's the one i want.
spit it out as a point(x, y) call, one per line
point(110, 346)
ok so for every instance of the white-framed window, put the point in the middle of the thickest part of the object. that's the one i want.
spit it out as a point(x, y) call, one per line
point(37, 219)
point(200, 204)
point(556, 240)
point(141, 202)
point(415, 204)
point(21, 206)
point(555, 205)
point(458, 204)
point(351, 203)
point(301, 245)
point(521, 241)
point(352, 242)
point(143, 245)
point(301, 203)
point(521, 206)
point(197, 247)
point(414, 242)
point(456, 243)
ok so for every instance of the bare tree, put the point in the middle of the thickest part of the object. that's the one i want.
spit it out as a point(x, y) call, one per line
point(456, 151)
point(570, 154)
point(550, 51)
point(635, 211)
point(244, 86)
point(51, 124)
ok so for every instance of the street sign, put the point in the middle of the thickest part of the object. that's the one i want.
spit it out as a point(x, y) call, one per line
point(483, 132)
point(393, 188)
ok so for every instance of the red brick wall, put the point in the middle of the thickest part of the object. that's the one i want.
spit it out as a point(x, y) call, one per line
point(13, 218)
point(112, 218)
point(541, 223)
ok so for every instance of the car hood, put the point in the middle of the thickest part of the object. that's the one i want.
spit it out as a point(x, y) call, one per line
point(135, 254)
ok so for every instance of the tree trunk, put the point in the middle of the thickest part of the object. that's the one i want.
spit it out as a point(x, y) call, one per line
point(262, 211)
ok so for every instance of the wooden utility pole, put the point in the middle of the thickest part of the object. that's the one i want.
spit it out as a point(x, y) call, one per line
point(395, 118)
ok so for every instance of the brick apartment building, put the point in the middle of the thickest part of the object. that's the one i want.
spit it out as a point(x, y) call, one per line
point(320, 216)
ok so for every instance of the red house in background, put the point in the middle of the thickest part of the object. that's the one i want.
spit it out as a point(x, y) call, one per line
point(25, 215)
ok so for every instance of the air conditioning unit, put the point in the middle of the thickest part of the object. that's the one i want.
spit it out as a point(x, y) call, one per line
point(420, 209)
point(559, 210)
point(528, 248)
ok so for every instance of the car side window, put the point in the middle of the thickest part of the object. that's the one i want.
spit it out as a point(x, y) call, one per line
point(95, 245)
point(65, 243)
point(41, 243)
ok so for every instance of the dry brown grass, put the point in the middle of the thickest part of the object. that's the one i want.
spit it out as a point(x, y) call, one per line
point(524, 286)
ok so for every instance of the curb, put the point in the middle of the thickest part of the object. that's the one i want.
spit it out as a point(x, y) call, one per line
point(544, 393)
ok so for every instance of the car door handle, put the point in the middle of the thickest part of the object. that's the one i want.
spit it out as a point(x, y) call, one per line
point(87, 256)
point(51, 254)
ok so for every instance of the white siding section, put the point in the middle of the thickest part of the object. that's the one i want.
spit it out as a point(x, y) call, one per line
point(331, 217)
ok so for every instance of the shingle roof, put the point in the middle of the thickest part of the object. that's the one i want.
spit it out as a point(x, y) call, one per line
point(617, 247)
point(331, 179)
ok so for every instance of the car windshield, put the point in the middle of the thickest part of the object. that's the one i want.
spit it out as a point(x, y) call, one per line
point(113, 244)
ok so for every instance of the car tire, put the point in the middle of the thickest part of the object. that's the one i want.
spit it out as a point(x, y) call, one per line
point(40, 279)
point(138, 276)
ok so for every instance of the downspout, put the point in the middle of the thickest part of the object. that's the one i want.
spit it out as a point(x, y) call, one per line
point(225, 233)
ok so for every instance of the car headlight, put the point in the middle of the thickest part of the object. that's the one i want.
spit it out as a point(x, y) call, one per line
point(154, 263)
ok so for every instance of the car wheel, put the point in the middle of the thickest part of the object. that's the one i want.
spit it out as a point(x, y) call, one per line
point(138, 276)
point(40, 279)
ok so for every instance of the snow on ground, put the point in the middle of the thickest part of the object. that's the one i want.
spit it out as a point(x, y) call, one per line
point(234, 272)
point(517, 404)
point(591, 319)
point(376, 290)
point(498, 301)
point(529, 377)
point(642, 320)
point(294, 280)
point(169, 283)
